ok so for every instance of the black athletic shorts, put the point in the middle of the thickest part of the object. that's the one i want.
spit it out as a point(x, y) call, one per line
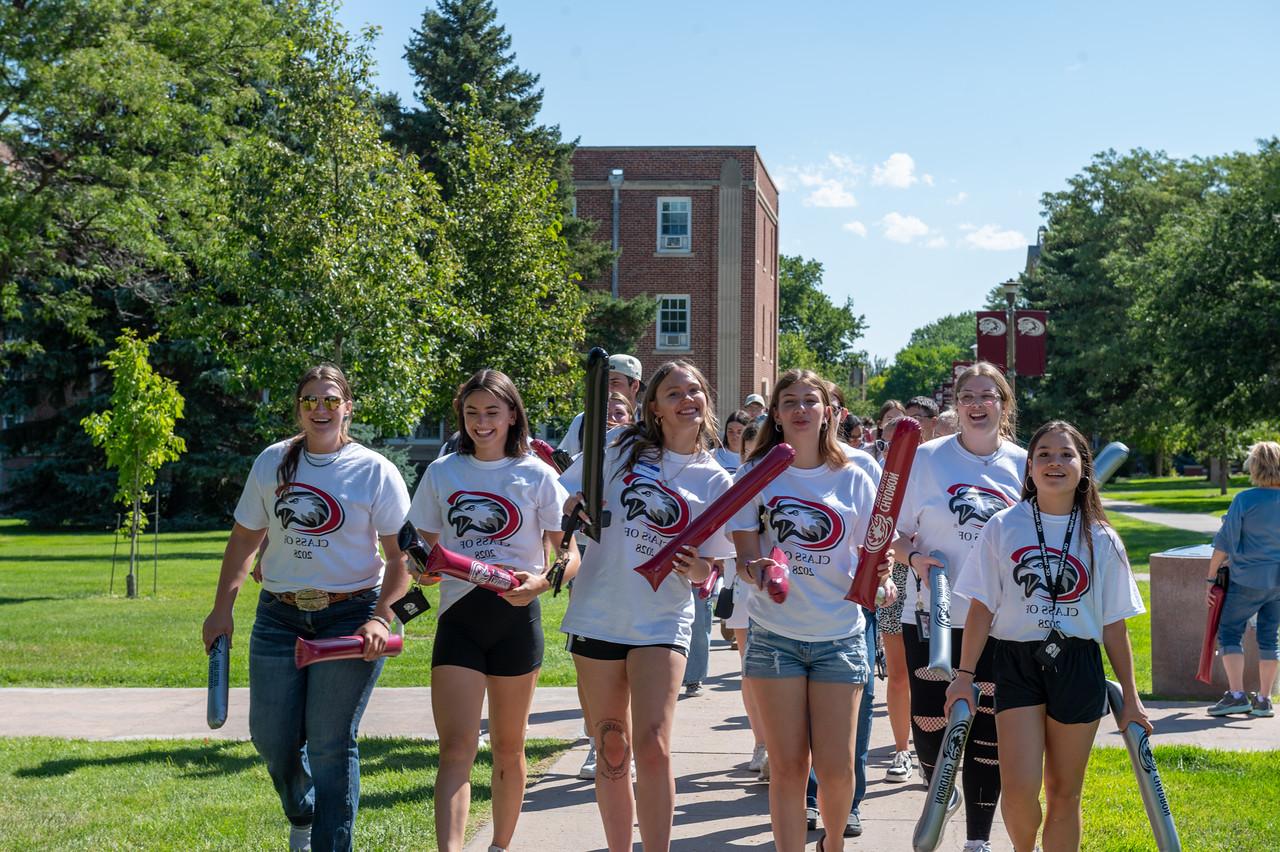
point(481, 631)
point(1074, 693)
point(599, 649)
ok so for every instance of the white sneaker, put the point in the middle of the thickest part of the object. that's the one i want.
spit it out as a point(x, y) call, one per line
point(811, 818)
point(299, 838)
point(764, 768)
point(900, 769)
point(757, 759)
point(588, 770)
point(977, 846)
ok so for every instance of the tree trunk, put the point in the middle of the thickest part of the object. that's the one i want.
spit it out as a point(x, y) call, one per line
point(1159, 463)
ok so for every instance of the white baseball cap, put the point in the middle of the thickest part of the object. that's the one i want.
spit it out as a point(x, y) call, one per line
point(627, 365)
point(755, 397)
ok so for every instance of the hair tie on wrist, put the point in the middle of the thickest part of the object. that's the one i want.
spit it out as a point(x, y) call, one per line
point(966, 671)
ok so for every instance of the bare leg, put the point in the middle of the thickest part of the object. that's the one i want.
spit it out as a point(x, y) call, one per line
point(457, 696)
point(606, 689)
point(1066, 758)
point(898, 692)
point(748, 690)
point(1021, 732)
point(833, 728)
point(1267, 676)
point(784, 711)
point(1233, 665)
point(510, 699)
point(654, 675)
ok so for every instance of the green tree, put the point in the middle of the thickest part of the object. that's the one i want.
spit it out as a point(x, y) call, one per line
point(812, 331)
point(137, 432)
point(616, 325)
point(925, 362)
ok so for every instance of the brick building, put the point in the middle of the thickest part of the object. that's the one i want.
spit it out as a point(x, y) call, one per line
point(698, 230)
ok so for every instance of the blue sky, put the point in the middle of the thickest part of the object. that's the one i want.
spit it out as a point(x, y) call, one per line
point(912, 141)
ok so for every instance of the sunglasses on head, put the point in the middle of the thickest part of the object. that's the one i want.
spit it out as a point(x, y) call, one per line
point(310, 401)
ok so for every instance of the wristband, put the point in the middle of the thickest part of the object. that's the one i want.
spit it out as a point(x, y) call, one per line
point(1211, 580)
point(966, 671)
point(381, 620)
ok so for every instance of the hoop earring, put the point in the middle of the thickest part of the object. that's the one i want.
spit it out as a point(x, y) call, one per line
point(1083, 485)
point(1029, 485)
point(777, 426)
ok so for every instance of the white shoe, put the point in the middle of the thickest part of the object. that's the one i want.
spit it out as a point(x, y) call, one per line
point(977, 846)
point(764, 768)
point(588, 770)
point(900, 769)
point(757, 759)
point(299, 838)
point(811, 818)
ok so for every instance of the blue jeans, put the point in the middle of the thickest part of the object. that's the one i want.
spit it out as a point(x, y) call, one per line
point(1241, 604)
point(862, 744)
point(304, 721)
point(695, 670)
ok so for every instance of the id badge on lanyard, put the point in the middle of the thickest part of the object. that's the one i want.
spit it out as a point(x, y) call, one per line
point(1050, 648)
point(924, 623)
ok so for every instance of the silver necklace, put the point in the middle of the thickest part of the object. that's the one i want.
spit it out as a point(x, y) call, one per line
point(666, 480)
point(311, 460)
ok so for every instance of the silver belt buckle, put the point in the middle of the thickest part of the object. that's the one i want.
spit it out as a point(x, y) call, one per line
point(311, 600)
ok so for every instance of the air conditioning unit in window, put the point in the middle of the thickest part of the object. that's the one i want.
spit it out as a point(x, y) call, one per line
point(673, 341)
point(675, 242)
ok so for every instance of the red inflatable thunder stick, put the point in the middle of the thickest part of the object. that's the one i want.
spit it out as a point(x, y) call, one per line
point(884, 517)
point(546, 452)
point(775, 579)
point(708, 585)
point(308, 651)
point(718, 513)
point(1218, 594)
point(495, 578)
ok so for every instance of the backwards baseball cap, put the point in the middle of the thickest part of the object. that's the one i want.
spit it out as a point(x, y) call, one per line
point(755, 397)
point(627, 365)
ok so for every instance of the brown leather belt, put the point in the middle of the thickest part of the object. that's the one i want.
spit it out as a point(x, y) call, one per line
point(314, 600)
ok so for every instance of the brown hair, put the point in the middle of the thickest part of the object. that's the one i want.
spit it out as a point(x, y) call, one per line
point(770, 435)
point(889, 405)
point(1087, 499)
point(615, 396)
point(1008, 405)
point(288, 467)
point(1263, 464)
point(504, 389)
point(738, 416)
point(644, 439)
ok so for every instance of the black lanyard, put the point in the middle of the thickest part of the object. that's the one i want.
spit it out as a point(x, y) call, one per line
point(1044, 553)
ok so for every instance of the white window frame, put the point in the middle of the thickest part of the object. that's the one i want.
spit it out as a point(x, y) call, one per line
point(662, 247)
point(658, 335)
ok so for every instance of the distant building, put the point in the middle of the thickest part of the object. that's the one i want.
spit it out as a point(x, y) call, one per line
point(698, 231)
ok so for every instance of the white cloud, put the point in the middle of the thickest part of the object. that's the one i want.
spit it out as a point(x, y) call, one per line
point(832, 193)
point(967, 226)
point(927, 179)
point(855, 227)
point(958, 199)
point(936, 243)
point(845, 165)
point(898, 172)
point(903, 229)
point(991, 238)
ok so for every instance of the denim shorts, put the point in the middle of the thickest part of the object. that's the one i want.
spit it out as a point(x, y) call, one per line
point(772, 655)
point(1242, 603)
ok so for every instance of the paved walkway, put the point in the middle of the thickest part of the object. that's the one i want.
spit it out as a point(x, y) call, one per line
point(719, 805)
point(1192, 522)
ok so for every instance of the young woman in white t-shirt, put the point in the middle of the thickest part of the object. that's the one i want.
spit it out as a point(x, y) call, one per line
point(956, 485)
point(494, 501)
point(806, 658)
point(322, 503)
point(1047, 713)
point(629, 642)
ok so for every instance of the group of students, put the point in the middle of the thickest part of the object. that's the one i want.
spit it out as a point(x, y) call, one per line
point(1022, 533)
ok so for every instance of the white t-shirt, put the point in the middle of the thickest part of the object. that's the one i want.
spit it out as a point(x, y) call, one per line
point(571, 443)
point(493, 511)
point(649, 506)
point(864, 460)
point(1005, 573)
point(728, 459)
point(323, 527)
point(950, 496)
point(819, 518)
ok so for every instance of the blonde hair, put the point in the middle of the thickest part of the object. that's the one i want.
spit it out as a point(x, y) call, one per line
point(1008, 406)
point(771, 431)
point(1263, 464)
point(644, 439)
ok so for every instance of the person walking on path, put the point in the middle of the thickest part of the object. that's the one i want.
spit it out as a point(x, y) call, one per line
point(1050, 580)
point(327, 503)
point(1249, 542)
point(628, 641)
point(496, 502)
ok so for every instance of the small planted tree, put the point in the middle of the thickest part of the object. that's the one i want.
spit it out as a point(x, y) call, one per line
point(137, 432)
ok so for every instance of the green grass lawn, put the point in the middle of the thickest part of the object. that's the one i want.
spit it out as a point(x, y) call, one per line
point(1221, 801)
point(201, 794)
point(1176, 493)
point(59, 627)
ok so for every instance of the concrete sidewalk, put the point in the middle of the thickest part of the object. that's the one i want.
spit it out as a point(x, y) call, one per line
point(1189, 521)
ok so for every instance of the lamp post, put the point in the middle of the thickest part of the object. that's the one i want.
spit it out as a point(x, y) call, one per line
point(615, 181)
point(1010, 289)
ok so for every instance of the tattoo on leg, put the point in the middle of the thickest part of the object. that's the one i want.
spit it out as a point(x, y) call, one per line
point(609, 735)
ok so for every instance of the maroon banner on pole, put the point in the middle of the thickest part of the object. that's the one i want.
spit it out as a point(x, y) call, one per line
point(1030, 341)
point(992, 340)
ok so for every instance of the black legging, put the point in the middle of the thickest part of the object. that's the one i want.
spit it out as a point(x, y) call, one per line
point(928, 696)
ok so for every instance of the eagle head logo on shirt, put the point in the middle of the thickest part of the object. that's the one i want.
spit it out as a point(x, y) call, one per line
point(1028, 572)
point(306, 509)
point(482, 513)
point(661, 509)
point(812, 526)
point(975, 503)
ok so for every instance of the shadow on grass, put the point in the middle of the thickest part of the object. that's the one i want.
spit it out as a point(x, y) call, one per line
point(4, 601)
point(204, 761)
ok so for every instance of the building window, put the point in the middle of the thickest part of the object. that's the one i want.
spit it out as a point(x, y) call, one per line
point(673, 322)
point(674, 216)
